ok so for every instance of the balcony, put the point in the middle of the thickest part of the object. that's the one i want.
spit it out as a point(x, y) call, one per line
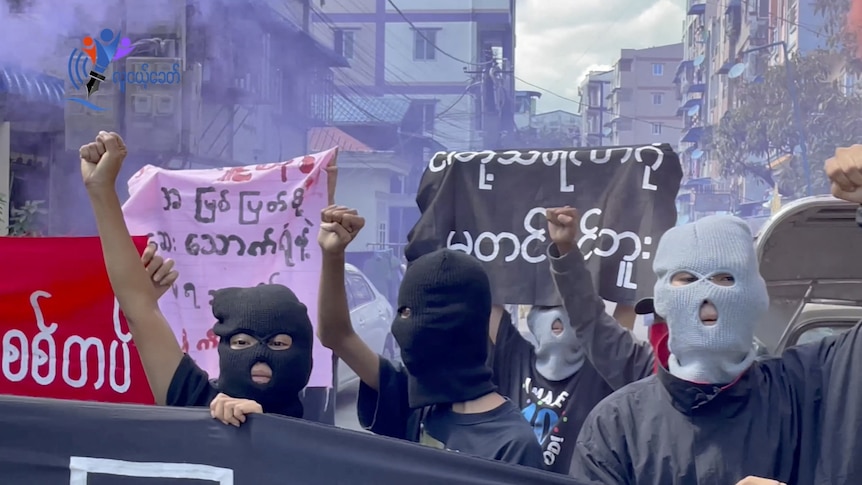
point(696, 7)
point(689, 107)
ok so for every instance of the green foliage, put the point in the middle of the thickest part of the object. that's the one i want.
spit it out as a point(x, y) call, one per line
point(762, 125)
point(833, 19)
point(24, 220)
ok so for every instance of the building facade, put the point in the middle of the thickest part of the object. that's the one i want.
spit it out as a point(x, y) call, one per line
point(559, 124)
point(642, 97)
point(593, 108)
point(250, 82)
point(424, 76)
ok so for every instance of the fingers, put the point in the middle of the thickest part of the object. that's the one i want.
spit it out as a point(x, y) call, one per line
point(233, 411)
point(89, 153)
point(110, 141)
point(334, 213)
point(845, 170)
point(165, 270)
point(335, 227)
point(149, 252)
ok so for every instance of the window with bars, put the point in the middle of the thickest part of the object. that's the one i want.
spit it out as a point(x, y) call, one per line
point(345, 43)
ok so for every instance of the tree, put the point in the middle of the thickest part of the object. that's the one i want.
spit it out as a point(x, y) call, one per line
point(840, 35)
point(761, 123)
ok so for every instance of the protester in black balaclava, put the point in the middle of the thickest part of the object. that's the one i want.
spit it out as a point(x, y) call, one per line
point(264, 325)
point(443, 396)
point(265, 346)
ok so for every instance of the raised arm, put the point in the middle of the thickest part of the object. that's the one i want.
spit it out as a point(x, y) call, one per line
point(160, 353)
point(617, 355)
point(338, 227)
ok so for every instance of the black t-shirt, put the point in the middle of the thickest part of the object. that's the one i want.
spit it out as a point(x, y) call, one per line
point(556, 410)
point(190, 386)
point(499, 434)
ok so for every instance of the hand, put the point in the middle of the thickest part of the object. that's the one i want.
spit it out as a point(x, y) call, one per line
point(759, 481)
point(102, 159)
point(338, 227)
point(563, 225)
point(231, 410)
point(845, 172)
point(161, 271)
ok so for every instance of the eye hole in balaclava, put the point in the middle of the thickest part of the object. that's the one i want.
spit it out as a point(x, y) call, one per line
point(684, 278)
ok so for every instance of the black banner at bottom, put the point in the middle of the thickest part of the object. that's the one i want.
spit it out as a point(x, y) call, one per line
point(55, 442)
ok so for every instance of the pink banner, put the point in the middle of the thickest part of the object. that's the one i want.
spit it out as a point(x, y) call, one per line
point(233, 227)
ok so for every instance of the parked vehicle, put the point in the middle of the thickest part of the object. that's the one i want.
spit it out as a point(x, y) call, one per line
point(809, 257)
point(371, 315)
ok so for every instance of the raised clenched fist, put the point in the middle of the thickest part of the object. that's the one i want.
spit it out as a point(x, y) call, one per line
point(338, 227)
point(845, 173)
point(101, 160)
point(563, 225)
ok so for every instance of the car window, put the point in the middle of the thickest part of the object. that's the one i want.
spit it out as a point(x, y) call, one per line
point(348, 287)
point(820, 330)
point(362, 293)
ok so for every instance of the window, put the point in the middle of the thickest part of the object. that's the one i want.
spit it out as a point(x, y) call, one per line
point(625, 65)
point(657, 98)
point(658, 69)
point(382, 233)
point(429, 113)
point(358, 290)
point(762, 8)
point(656, 128)
point(345, 43)
point(424, 41)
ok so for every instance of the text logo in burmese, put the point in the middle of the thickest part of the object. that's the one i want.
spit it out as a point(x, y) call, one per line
point(87, 65)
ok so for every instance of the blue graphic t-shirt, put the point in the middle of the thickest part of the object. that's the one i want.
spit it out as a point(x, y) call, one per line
point(556, 410)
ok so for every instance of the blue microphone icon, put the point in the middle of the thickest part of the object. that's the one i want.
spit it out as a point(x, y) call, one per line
point(101, 52)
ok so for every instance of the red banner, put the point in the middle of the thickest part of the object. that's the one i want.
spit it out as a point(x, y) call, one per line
point(63, 337)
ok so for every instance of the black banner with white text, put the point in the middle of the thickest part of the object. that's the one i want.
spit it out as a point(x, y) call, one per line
point(56, 442)
point(492, 204)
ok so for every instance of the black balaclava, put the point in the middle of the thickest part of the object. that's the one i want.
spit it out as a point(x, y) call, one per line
point(263, 312)
point(442, 328)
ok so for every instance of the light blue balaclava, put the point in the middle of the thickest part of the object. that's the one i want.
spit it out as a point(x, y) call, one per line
point(558, 357)
point(719, 353)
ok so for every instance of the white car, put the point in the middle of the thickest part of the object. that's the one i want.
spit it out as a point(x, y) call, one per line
point(371, 315)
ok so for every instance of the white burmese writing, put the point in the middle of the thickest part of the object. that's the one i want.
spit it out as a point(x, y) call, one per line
point(38, 358)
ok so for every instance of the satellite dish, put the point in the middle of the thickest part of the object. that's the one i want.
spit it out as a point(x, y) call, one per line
point(699, 60)
point(694, 110)
point(606, 131)
point(736, 71)
point(696, 154)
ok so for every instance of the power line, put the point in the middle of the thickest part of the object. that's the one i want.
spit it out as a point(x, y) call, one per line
point(433, 44)
point(582, 105)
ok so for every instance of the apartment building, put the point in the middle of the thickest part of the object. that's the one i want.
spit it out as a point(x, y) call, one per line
point(593, 108)
point(418, 82)
point(642, 98)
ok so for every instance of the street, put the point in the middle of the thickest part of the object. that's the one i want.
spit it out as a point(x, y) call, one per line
point(345, 412)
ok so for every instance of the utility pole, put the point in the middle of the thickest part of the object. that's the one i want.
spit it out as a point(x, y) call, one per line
point(492, 90)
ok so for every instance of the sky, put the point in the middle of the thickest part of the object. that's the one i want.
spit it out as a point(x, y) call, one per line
point(557, 45)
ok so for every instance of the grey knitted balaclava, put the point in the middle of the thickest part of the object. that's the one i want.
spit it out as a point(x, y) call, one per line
point(719, 353)
point(558, 357)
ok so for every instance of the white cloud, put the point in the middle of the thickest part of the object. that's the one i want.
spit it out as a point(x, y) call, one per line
point(558, 45)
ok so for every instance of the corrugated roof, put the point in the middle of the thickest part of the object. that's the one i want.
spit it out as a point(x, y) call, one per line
point(324, 138)
point(368, 110)
point(31, 85)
